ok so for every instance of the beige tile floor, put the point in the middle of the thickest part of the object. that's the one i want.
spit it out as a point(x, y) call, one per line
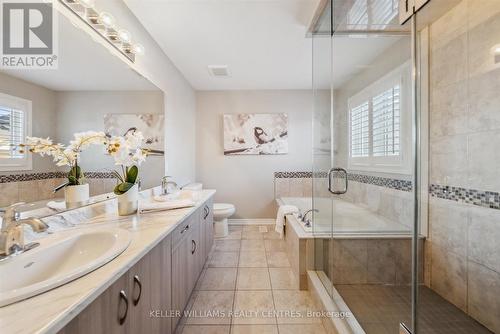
point(247, 286)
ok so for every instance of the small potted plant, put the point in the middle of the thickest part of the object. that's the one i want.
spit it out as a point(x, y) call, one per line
point(76, 189)
point(128, 154)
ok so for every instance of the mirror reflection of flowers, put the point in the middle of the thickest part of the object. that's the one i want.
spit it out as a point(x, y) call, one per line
point(65, 155)
point(128, 153)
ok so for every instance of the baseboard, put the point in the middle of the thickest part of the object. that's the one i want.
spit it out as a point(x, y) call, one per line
point(257, 221)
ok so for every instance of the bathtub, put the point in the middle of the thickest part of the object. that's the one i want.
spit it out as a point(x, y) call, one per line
point(349, 219)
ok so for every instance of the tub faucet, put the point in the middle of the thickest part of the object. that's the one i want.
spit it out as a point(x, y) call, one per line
point(304, 216)
point(165, 183)
point(11, 234)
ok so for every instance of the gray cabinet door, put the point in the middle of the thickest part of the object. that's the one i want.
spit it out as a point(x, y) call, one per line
point(194, 262)
point(161, 287)
point(140, 290)
point(180, 280)
point(108, 314)
point(209, 226)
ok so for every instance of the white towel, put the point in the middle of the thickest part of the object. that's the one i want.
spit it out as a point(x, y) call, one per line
point(57, 205)
point(280, 218)
point(149, 206)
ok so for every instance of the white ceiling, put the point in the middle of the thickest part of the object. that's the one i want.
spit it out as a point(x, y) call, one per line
point(84, 64)
point(262, 41)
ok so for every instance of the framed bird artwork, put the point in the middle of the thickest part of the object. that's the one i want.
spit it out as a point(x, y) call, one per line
point(255, 134)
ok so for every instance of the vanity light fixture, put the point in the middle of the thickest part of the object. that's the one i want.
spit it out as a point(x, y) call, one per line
point(124, 36)
point(107, 20)
point(138, 49)
point(105, 25)
point(495, 50)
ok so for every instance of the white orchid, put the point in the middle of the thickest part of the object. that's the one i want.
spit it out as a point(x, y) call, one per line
point(128, 153)
point(127, 150)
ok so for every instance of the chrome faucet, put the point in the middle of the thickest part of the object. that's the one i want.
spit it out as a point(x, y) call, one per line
point(165, 183)
point(11, 233)
point(304, 216)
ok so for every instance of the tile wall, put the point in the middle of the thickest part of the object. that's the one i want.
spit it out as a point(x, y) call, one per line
point(464, 220)
point(39, 186)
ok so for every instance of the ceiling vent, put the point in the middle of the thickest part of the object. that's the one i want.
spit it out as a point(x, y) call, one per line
point(219, 71)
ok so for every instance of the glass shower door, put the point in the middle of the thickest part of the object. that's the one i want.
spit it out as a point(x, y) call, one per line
point(363, 163)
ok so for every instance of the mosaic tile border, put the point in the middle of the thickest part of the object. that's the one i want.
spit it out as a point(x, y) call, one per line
point(487, 199)
point(50, 175)
point(397, 184)
point(292, 175)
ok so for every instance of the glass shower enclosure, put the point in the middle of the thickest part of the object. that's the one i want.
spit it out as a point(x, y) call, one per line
point(370, 167)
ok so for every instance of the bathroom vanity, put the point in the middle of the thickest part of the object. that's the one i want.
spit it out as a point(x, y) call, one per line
point(143, 290)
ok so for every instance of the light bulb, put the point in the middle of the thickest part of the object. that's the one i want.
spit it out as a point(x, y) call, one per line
point(107, 19)
point(87, 3)
point(124, 36)
point(138, 49)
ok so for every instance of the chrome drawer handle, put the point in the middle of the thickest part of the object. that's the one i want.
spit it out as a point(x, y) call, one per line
point(185, 229)
point(193, 249)
point(121, 319)
point(139, 284)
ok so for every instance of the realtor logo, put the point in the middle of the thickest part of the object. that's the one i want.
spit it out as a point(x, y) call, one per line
point(28, 34)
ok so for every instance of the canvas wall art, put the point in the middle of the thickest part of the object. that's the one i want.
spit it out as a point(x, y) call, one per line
point(151, 126)
point(255, 134)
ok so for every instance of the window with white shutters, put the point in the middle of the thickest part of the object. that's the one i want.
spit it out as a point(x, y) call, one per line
point(386, 123)
point(360, 131)
point(379, 130)
point(15, 119)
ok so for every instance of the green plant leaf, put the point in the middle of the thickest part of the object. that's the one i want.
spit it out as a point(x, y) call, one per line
point(122, 188)
point(118, 176)
point(72, 180)
point(75, 175)
point(132, 173)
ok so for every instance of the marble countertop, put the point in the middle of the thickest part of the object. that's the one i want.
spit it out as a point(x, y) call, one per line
point(52, 310)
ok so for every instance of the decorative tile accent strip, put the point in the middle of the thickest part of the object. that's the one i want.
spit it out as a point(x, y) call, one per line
point(487, 199)
point(98, 175)
point(292, 175)
point(398, 184)
point(30, 177)
point(50, 175)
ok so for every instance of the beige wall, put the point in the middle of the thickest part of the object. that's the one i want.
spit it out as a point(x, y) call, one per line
point(43, 112)
point(247, 181)
point(84, 111)
point(463, 246)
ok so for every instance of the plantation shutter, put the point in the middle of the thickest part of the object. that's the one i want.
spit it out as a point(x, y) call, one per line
point(386, 123)
point(12, 132)
point(360, 127)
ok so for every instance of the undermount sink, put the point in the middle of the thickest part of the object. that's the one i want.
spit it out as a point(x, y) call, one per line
point(60, 258)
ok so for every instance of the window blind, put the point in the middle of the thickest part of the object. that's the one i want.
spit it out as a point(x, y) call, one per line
point(12, 124)
point(386, 123)
point(360, 127)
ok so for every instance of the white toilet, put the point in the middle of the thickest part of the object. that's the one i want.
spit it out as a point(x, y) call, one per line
point(222, 211)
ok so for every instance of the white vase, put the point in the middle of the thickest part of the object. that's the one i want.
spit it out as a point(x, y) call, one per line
point(76, 196)
point(128, 202)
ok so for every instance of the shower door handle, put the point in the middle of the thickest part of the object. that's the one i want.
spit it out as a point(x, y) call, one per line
point(330, 174)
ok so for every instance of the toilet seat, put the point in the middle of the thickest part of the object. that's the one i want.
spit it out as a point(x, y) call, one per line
point(223, 210)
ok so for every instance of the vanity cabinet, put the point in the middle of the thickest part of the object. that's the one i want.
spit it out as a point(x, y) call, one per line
point(188, 259)
point(152, 295)
point(125, 306)
point(207, 226)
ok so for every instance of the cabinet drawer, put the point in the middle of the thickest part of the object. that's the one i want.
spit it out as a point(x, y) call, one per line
point(182, 231)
